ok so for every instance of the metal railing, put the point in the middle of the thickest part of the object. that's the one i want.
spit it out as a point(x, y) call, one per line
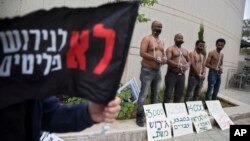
point(238, 79)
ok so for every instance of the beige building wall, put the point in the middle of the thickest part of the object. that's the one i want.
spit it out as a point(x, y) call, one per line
point(221, 19)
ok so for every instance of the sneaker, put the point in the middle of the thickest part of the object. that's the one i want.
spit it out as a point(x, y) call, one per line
point(139, 121)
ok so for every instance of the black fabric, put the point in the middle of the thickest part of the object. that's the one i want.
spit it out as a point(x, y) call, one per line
point(79, 52)
point(13, 125)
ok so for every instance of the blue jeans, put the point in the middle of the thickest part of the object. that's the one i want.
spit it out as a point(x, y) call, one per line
point(214, 80)
point(194, 86)
point(150, 78)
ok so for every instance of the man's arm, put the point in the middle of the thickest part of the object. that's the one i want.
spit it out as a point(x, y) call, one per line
point(70, 118)
point(203, 65)
point(164, 58)
point(193, 64)
point(169, 58)
point(208, 64)
point(187, 65)
point(64, 118)
point(144, 49)
point(221, 64)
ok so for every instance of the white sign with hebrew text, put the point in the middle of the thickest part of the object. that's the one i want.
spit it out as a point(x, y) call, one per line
point(175, 109)
point(181, 124)
point(216, 110)
point(158, 126)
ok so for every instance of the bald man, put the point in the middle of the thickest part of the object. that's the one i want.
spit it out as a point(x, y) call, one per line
point(152, 53)
point(178, 64)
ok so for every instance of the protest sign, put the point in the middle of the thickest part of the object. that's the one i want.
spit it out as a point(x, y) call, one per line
point(199, 116)
point(46, 136)
point(158, 126)
point(201, 122)
point(181, 124)
point(216, 110)
point(132, 84)
point(223, 120)
point(175, 108)
point(214, 107)
point(195, 107)
point(179, 118)
point(65, 51)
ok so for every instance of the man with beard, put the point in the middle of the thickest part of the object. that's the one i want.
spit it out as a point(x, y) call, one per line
point(152, 53)
point(197, 71)
point(178, 63)
point(214, 63)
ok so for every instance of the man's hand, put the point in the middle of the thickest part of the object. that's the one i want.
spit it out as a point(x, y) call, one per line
point(164, 60)
point(158, 60)
point(184, 68)
point(105, 113)
point(202, 77)
point(220, 70)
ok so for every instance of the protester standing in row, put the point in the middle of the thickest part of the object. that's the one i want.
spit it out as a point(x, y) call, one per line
point(178, 64)
point(214, 63)
point(197, 72)
point(152, 53)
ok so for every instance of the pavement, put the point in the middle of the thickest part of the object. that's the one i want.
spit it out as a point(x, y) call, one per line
point(127, 130)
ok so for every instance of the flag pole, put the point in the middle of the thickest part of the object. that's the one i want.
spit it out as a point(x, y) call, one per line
point(106, 126)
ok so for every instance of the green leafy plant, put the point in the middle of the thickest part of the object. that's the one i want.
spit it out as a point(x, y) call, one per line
point(201, 32)
point(141, 17)
point(201, 37)
point(127, 106)
point(127, 110)
point(71, 100)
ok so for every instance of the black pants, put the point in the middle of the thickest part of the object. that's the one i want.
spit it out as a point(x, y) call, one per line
point(174, 81)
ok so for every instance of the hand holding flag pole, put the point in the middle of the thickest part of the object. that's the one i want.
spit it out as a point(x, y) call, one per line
point(105, 113)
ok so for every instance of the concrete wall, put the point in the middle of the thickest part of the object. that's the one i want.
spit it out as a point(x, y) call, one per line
point(221, 19)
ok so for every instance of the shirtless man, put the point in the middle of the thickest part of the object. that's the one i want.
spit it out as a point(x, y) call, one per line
point(197, 71)
point(214, 63)
point(152, 53)
point(178, 63)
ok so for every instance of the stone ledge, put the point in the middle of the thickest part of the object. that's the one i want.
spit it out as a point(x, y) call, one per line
point(127, 130)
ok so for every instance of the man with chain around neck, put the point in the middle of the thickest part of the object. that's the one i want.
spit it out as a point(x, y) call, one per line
point(214, 62)
point(197, 72)
point(178, 64)
point(152, 53)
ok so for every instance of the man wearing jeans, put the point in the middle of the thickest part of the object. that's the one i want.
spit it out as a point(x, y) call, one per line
point(152, 53)
point(178, 63)
point(197, 72)
point(214, 63)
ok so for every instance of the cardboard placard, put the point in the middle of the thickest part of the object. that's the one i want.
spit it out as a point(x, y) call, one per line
point(181, 124)
point(195, 107)
point(214, 107)
point(180, 120)
point(199, 116)
point(158, 126)
point(216, 110)
point(132, 84)
point(46, 136)
point(223, 120)
point(201, 122)
point(175, 109)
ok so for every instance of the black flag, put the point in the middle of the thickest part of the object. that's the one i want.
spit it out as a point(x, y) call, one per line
point(78, 52)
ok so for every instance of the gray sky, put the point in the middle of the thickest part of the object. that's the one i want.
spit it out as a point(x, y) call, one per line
point(247, 10)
